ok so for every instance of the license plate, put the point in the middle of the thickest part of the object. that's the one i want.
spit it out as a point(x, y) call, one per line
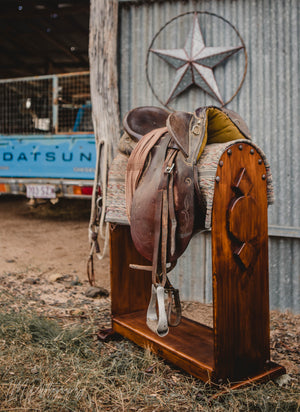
point(40, 191)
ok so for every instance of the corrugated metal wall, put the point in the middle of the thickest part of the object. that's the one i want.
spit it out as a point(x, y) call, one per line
point(268, 101)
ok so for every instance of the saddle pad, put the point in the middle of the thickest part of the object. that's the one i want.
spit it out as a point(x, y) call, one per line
point(207, 168)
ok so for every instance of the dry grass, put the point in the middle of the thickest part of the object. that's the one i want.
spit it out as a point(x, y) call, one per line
point(50, 359)
point(47, 365)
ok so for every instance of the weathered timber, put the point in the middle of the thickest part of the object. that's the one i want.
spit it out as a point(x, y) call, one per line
point(103, 70)
point(104, 88)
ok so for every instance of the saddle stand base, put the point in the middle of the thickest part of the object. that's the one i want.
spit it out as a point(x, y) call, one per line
point(237, 348)
point(189, 346)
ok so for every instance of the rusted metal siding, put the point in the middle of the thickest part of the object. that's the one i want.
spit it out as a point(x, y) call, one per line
point(268, 101)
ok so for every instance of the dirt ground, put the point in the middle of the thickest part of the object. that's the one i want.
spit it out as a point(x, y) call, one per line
point(43, 258)
point(49, 239)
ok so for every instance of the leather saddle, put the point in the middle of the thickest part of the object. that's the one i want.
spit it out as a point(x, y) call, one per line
point(164, 203)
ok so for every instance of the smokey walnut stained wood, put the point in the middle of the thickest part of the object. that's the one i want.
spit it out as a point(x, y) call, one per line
point(240, 264)
point(237, 348)
point(130, 289)
point(189, 346)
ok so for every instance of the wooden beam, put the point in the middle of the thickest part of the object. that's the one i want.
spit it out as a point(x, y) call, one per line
point(30, 11)
point(56, 43)
point(11, 72)
point(79, 27)
point(14, 58)
point(76, 28)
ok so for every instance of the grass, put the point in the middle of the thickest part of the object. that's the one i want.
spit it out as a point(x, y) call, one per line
point(50, 366)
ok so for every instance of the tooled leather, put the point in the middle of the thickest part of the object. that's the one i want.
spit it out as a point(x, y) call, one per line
point(142, 120)
point(234, 117)
point(189, 207)
point(178, 124)
point(136, 164)
point(145, 197)
point(145, 201)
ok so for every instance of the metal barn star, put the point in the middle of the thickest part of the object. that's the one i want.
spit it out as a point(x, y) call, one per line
point(195, 63)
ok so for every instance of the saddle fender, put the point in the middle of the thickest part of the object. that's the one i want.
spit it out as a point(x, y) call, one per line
point(144, 207)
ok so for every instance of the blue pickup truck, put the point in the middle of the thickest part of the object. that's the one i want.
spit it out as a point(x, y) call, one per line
point(47, 145)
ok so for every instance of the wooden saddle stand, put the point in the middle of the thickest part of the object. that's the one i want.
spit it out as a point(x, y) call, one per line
point(166, 206)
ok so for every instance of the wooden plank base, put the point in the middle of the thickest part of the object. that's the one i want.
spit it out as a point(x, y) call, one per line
point(188, 346)
point(271, 371)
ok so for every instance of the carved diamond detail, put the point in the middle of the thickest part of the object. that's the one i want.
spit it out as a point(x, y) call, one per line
point(242, 220)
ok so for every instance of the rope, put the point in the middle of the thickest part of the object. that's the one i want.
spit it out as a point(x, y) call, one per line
point(96, 225)
point(104, 191)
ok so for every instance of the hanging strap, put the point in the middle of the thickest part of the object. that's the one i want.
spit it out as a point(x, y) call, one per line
point(162, 219)
point(158, 323)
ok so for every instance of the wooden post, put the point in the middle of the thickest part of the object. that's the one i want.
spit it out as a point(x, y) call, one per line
point(103, 70)
point(240, 264)
point(104, 89)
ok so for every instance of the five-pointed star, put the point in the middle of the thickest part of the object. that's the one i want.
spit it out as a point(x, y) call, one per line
point(195, 63)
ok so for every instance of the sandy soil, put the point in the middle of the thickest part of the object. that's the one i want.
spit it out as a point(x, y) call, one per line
point(51, 240)
point(48, 239)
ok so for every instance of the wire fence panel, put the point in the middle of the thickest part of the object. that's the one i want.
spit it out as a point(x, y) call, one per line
point(26, 106)
point(46, 105)
point(74, 103)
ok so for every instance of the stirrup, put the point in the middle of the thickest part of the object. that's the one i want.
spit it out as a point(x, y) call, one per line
point(158, 325)
point(173, 297)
